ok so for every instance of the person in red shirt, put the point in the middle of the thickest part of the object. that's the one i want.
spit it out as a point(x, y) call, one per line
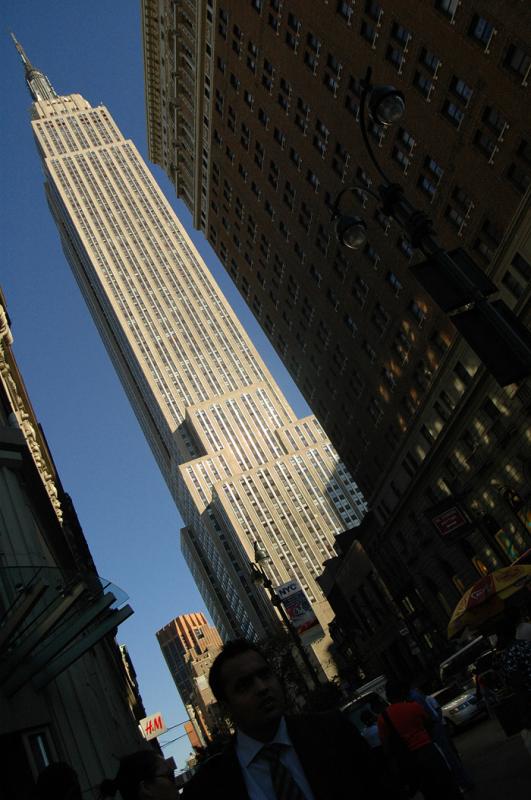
point(404, 728)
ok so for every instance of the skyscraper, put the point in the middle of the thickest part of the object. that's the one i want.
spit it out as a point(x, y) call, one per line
point(189, 646)
point(240, 466)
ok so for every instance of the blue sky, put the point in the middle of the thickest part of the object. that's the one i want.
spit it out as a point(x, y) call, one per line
point(129, 519)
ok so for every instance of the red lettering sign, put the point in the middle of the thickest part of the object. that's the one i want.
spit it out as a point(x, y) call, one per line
point(449, 521)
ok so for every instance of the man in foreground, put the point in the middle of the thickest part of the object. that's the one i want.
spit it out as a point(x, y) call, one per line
point(276, 757)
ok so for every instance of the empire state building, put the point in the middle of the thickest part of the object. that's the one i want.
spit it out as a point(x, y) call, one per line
point(241, 467)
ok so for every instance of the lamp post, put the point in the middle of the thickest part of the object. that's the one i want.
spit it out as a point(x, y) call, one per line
point(260, 576)
point(454, 282)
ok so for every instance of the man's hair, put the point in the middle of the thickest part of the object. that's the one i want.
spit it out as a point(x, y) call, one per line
point(231, 649)
point(134, 768)
point(396, 690)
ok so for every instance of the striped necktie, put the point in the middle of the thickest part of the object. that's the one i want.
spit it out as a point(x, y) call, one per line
point(284, 784)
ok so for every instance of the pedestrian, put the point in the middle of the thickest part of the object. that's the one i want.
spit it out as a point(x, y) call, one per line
point(144, 775)
point(370, 729)
point(272, 756)
point(440, 737)
point(405, 730)
point(514, 662)
point(58, 781)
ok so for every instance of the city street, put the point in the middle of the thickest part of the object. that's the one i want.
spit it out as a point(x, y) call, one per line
point(500, 765)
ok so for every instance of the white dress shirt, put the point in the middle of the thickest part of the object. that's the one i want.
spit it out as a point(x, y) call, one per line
point(255, 768)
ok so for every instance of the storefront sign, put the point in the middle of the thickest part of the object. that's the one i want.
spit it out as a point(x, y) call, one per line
point(152, 726)
point(449, 519)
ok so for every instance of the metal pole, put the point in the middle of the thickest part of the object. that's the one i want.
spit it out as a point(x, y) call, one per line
point(277, 602)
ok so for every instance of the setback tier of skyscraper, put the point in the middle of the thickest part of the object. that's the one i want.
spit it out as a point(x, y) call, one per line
point(240, 466)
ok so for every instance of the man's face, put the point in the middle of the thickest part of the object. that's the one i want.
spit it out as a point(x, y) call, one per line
point(253, 694)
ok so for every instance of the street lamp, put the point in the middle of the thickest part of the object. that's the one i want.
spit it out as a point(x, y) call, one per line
point(452, 279)
point(260, 576)
point(386, 105)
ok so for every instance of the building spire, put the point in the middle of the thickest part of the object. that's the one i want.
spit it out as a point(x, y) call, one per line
point(38, 84)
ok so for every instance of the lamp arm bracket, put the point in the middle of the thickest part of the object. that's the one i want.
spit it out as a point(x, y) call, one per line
point(416, 224)
point(351, 188)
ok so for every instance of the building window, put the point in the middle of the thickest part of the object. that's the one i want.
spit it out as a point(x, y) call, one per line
point(380, 318)
point(392, 279)
point(331, 83)
point(495, 121)
point(435, 169)
point(518, 177)
point(395, 56)
point(373, 10)
point(279, 137)
point(352, 106)
point(481, 30)
point(400, 34)
point(294, 22)
point(447, 7)
point(453, 113)
point(263, 117)
point(344, 10)
point(486, 145)
point(369, 351)
point(303, 112)
point(456, 219)
point(273, 175)
point(430, 61)
point(313, 180)
point(423, 84)
point(417, 312)
point(428, 187)
point(248, 98)
point(522, 266)
point(518, 61)
point(406, 139)
point(259, 155)
point(368, 32)
point(350, 324)
point(461, 89)
point(295, 157)
point(513, 285)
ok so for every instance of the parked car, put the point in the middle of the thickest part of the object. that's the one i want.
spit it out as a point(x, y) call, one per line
point(457, 664)
point(460, 706)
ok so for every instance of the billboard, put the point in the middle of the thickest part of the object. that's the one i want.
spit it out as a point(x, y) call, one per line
point(152, 726)
point(299, 611)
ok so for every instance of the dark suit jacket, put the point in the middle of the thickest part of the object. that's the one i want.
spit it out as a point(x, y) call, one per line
point(337, 761)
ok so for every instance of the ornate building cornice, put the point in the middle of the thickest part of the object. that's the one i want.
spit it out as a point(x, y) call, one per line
point(22, 415)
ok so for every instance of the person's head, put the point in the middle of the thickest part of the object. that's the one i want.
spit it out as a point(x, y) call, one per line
point(144, 775)
point(244, 683)
point(367, 717)
point(58, 781)
point(505, 630)
point(396, 691)
point(418, 682)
